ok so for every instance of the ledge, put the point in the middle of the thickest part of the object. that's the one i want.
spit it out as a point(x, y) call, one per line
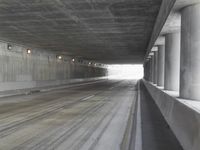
point(183, 116)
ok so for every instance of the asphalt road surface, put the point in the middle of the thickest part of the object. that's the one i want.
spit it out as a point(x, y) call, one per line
point(87, 117)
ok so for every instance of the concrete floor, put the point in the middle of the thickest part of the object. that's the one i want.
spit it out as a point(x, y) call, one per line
point(87, 117)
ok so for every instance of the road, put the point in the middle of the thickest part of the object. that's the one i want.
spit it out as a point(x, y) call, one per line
point(87, 117)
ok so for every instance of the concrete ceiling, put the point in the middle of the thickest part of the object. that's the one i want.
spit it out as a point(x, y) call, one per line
point(108, 31)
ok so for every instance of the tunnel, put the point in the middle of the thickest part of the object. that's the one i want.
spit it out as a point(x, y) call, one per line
point(99, 74)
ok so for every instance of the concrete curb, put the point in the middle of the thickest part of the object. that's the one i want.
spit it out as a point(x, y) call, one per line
point(138, 136)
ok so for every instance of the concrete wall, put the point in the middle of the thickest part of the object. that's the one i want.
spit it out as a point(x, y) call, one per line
point(19, 70)
point(183, 116)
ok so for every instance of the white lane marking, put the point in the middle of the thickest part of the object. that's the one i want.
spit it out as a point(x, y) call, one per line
point(138, 140)
point(86, 98)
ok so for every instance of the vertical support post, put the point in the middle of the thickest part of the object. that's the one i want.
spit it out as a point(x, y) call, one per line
point(190, 53)
point(161, 65)
point(172, 61)
point(155, 67)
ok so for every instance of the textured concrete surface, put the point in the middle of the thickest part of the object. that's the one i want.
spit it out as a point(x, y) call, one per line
point(19, 70)
point(155, 67)
point(173, 22)
point(190, 53)
point(163, 14)
point(160, 40)
point(179, 4)
point(147, 68)
point(161, 65)
point(111, 31)
point(50, 87)
point(152, 68)
point(156, 134)
point(88, 117)
point(172, 61)
point(182, 115)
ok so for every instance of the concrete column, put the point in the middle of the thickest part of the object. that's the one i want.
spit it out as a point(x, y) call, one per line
point(161, 65)
point(152, 68)
point(148, 70)
point(145, 70)
point(190, 53)
point(155, 67)
point(172, 61)
point(148, 73)
point(151, 72)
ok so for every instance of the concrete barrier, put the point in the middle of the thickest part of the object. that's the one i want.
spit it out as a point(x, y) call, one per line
point(13, 89)
point(183, 116)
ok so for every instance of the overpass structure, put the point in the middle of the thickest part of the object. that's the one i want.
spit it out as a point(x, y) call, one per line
point(53, 74)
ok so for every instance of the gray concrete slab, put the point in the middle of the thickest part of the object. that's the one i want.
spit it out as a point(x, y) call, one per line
point(89, 117)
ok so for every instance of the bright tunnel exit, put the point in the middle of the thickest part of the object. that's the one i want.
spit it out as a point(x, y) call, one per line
point(125, 71)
